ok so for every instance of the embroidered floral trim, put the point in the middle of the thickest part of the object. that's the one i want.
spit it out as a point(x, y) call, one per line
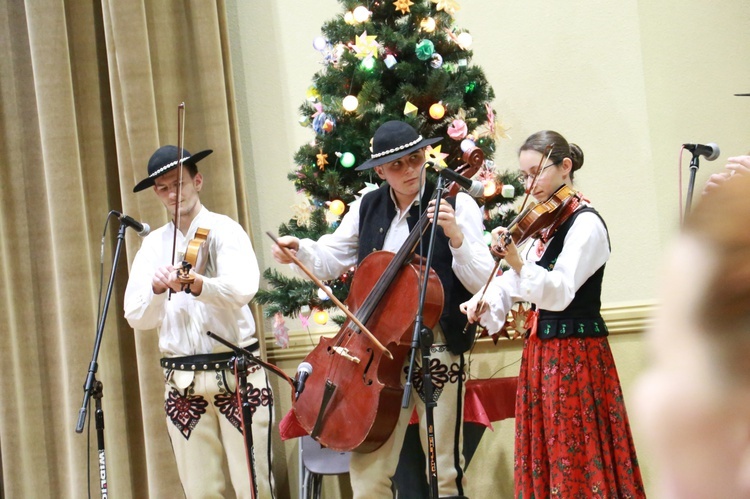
point(184, 411)
point(228, 404)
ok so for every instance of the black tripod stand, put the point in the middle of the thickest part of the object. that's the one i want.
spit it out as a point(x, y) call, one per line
point(93, 388)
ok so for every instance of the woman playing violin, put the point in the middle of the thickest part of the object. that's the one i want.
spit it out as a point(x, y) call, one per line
point(573, 437)
point(382, 220)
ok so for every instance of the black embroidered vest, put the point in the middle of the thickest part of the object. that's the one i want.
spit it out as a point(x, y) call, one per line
point(376, 212)
point(582, 317)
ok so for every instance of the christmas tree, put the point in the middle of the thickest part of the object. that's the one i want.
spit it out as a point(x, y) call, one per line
point(403, 60)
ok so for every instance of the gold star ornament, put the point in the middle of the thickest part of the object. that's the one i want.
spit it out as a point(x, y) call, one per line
point(433, 154)
point(403, 5)
point(449, 6)
point(322, 159)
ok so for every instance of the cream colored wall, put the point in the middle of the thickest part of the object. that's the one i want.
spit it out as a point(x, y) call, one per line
point(629, 81)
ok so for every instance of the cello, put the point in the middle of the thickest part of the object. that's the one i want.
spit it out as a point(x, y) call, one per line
point(352, 400)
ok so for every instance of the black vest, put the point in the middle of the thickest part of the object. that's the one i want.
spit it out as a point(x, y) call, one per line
point(582, 317)
point(376, 213)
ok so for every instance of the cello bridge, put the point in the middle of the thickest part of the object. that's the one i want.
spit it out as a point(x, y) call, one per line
point(344, 352)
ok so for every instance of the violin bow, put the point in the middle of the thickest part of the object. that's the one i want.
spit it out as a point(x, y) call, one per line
point(180, 145)
point(333, 298)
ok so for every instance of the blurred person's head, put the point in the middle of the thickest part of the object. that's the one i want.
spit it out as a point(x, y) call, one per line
point(693, 402)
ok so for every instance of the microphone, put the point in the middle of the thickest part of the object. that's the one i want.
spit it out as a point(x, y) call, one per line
point(303, 371)
point(474, 188)
point(141, 228)
point(710, 151)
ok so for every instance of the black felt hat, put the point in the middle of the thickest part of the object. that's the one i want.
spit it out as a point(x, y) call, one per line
point(392, 140)
point(165, 159)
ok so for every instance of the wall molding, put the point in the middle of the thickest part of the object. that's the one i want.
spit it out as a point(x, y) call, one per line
point(624, 318)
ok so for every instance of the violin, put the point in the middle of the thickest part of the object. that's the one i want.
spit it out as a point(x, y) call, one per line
point(540, 216)
point(190, 259)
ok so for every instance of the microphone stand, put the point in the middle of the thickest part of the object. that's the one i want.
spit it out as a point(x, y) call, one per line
point(691, 183)
point(422, 339)
point(93, 387)
point(242, 361)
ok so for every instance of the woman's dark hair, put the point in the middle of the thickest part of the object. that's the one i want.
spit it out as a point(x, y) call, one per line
point(560, 150)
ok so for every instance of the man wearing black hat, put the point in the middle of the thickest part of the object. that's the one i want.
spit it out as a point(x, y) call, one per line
point(203, 417)
point(382, 220)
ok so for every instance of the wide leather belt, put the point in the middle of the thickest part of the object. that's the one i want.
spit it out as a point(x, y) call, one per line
point(204, 362)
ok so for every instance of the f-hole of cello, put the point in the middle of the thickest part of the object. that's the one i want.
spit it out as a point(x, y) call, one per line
point(368, 381)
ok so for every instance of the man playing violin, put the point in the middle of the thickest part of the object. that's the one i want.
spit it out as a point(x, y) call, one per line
point(573, 438)
point(382, 220)
point(202, 413)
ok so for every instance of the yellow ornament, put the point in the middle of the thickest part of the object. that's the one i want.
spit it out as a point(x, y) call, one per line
point(322, 159)
point(410, 109)
point(436, 156)
point(437, 111)
point(449, 6)
point(337, 207)
point(312, 94)
point(366, 46)
point(403, 5)
point(428, 24)
point(320, 317)
point(489, 188)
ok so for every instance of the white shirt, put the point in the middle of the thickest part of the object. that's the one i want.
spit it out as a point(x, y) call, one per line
point(231, 279)
point(333, 254)
point(584, 251)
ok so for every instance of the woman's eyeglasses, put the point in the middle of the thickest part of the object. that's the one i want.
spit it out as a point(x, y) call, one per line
point(523, 178)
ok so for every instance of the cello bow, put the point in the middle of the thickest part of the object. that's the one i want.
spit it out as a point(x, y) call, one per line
point(333, 298)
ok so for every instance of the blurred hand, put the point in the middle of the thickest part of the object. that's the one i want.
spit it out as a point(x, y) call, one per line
point(737, 165)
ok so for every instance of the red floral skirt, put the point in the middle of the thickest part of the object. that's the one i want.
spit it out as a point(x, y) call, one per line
point(573, 438)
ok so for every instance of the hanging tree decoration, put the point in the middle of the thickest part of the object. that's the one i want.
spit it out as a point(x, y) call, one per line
point(458, 129)
point(403, 5)
point(428, 24)
point(449, 6)
point(492, 128)
point(366, 46)
point(410, 109)
point(280, 331)
point(436, 156)
point(424, 49)
point(322, 160)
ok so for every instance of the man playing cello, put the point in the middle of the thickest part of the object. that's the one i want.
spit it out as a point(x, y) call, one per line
point(382, 220)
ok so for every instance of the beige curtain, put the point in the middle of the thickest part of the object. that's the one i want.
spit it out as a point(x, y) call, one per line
point(88, 91)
